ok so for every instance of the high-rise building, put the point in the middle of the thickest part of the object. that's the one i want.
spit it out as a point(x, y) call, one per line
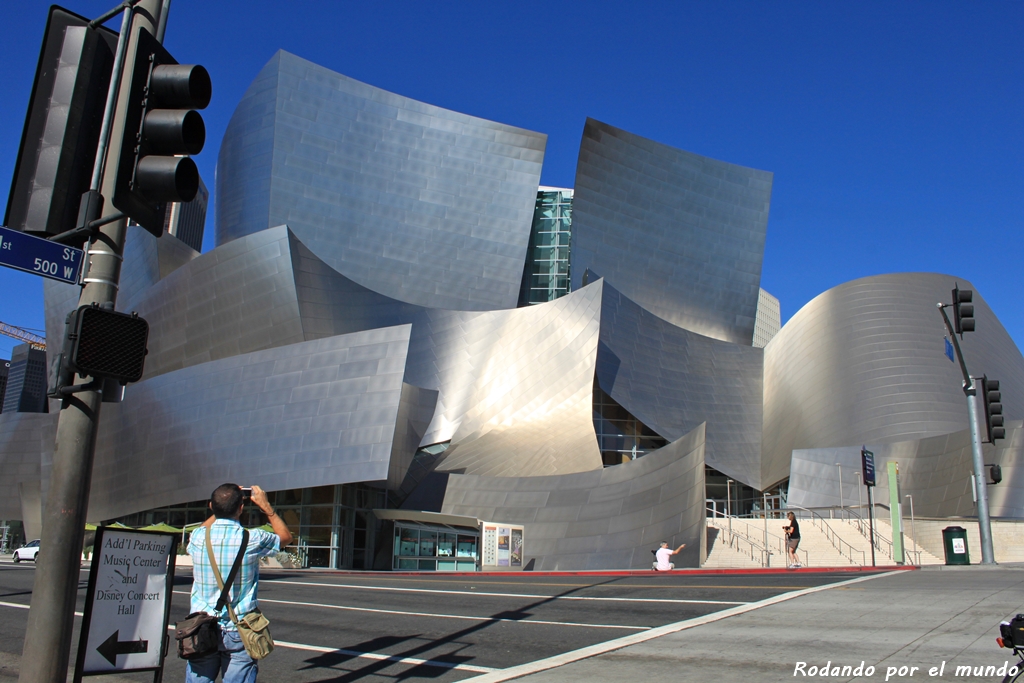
point(186, 220)
point(26, 381)
point(5, 367)
point(546, 273)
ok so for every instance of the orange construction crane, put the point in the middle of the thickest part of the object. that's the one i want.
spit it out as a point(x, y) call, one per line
point(24, 335)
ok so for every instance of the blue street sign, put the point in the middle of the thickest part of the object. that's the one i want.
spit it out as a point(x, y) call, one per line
point(949, 350)
point(867, 459)
point(40, 257)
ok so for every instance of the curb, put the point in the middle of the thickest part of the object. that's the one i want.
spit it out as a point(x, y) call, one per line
point(613, 572)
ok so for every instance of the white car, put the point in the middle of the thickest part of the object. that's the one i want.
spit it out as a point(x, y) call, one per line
point(29, 551)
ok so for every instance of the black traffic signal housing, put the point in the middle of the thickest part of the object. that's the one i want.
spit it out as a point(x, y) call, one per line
point(996, 472)
point(991, 398)
point(161, 128)
point(963, 310)
point(101, 343)
point(62, 125)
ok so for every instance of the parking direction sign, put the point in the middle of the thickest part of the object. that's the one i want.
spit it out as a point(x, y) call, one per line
point(35, 255)
point(128, 604)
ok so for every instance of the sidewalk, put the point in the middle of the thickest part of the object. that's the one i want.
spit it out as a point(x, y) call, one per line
point(906, 619)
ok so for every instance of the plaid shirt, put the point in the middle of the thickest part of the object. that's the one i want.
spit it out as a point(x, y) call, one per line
point(227, 538)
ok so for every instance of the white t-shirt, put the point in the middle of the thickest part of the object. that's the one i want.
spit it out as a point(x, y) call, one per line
point(663, 554)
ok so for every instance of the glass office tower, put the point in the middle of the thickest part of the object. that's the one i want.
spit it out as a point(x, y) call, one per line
point(546, 274)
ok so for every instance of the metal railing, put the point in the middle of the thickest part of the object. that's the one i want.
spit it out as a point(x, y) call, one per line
point(883, 545)
point(767, 544)
point(844, 548)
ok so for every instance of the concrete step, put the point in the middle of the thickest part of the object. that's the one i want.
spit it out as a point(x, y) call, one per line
point(815, 547)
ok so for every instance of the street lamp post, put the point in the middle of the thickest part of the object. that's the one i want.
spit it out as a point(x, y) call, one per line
point(728, 505)
point(913, 528)
point(860, 501)
point(841, 506)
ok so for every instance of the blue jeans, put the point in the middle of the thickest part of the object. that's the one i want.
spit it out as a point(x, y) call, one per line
point(231, 661)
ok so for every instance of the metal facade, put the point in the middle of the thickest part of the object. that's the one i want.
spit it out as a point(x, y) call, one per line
point(673, 380)
point(609, 518)
point(864, 363)
point(936, 471)
point(308, 414)
point(680, 234)
point(518, 382)
point(418, 203)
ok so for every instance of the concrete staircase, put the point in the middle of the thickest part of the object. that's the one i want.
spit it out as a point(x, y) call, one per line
point(840, 542)
point(823, 543)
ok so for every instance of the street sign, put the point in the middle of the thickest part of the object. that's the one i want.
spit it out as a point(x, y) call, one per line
point(128, 603)
point(35, 255)
point(949, 350)
point(867, 459)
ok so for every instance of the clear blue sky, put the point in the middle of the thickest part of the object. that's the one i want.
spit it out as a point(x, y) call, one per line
point(895, 129)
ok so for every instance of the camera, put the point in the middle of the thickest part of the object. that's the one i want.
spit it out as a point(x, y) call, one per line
point(246, 492)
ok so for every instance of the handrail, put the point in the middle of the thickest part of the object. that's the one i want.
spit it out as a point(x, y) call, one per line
point(834, 538)
point(750, 539)
point(882, 544)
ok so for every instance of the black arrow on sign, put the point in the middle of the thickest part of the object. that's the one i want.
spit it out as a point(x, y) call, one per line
point(111, 648)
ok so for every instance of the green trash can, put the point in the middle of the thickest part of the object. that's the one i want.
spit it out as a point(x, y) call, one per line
point(954, 541)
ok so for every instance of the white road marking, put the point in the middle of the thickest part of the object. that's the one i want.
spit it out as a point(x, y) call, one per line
point(412, 661)
point(445, 616)
point(20, 606)
point(633, 639)
point(388, 658)
point(505, 595)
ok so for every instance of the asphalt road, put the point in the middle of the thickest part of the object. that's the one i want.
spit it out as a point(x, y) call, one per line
point(382, 627)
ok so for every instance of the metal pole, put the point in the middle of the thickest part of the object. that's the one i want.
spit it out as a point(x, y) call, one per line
point(980, 480)
point(871, 512)
point(841, 506)
point(980, 485)
point(860, 502)
point(728, 504)
point(51, 616)
point(913, 528)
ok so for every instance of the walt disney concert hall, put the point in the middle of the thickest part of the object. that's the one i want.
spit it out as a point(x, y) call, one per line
point(400, 332)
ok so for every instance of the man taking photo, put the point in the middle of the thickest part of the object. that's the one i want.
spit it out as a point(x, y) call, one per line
point(226, 506)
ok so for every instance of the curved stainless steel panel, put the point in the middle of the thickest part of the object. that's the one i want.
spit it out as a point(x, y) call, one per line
point(610, 518)
point(238, 298)
point(672, 380)
point(864, 363)
point(309, 414)
point(516, 382)
point(936, 471)
point(680, 234)
point(422, 204)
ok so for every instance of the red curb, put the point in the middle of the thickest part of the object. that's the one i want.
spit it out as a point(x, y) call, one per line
point(619, 572)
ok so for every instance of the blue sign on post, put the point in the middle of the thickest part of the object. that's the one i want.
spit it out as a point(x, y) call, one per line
point(35, 255)
point(867, 459)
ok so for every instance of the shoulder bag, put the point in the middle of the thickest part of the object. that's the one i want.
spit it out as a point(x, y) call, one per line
point(253, 628)
point(199, 634)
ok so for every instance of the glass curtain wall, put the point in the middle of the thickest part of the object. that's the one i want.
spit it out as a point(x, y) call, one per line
point(419, 547)
point(546, 274)
point(333, 526)
point(620, 436)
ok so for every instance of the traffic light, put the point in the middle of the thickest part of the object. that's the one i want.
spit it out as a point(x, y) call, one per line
point(996, 472)
point(963, 310)
point(992, 399)
point(62, 125)
point(161, 128)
